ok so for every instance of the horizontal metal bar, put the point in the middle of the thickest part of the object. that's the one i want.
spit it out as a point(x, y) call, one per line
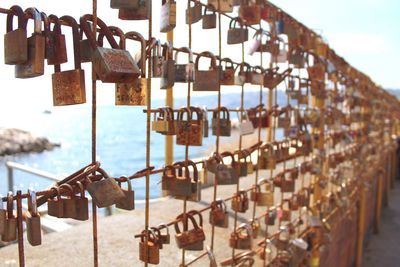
point(27, 169)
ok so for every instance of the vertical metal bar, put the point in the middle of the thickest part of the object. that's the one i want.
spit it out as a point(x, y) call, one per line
point(20, 229)
point(10, 178)
point(169, 101)
point(361, 226)
point(378, 205)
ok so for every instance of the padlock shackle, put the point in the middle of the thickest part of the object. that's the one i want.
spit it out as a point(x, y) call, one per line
point(85, 27)
point(46, 23)
point(10, 205)
point(198, 213)
point(186, 50)
point(182, 111)
point(168, 51)
point(126, 180)
point(139, 38)
point(188, 217)
point(16, 11)
point(32, 205)
point(225, 113)
point(228, 60)
point(81, 189)
point(234, 21)
point(57, 190)
point(195, 171)
point(71, 22)
point(259, 68)
point(209, 7)
point(169, 113)
point(162, 226)
point(206, 54)
point(33, 13)
point(52, 19)
point(70, 189)
point(115, 32)
point(229, 154)
point(199, 114)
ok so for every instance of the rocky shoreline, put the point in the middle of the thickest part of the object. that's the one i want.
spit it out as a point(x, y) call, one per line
point(15, 141)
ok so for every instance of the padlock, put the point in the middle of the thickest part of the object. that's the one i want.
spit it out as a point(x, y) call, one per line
point(298, 249)
point(69, 86)
point(257, 75)
point(189, 130)
point(228, 74)
point(246, 126)
point(141, 11)
point(205, 123)
point(296, 57)
point(268, 252)
point(10, 226)
point(56, 49)
point(16, 41)
point(104, 192)
point(149, 252)
point(192, 238)
point(164, 123)
point(250, 12)
point(272, 78)
point(117, 4)
point(284, 213)
point(194, 13)
point(209, 19)
point(180, 184)
point(55, 206)
point(271, 217)
point(240, 201)
point(195, 182)
point(198, 246)
point(219, 215)
point(255, 227)
point(168, 15)
point(207, 80)
point(224, 123)
point(241, 238)
point(232, 168)
point(68, 203)
point(81, 204)
point(294, 203)
point(184, 72)
point(134, 93)
point(245, 74)
point(165, 238)
point(282, 242)
point(128, 202)
point(284, 119)
point(237, 35)
point(225, 6)
point(33, 226)
point(157, 59)
point(270, 155)
point(157, 234)
point(34, 66)
point(3, 216)
point(316, 72)
point(263, 198)
point(288, 185)
point(169, 173)
point(111, 65)
point(168, 71)
point(224, 174)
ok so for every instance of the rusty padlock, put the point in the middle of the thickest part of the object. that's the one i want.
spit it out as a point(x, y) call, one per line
point(189, 131)
point(240, 201)
point(55, 206)
point(237, 35)
point(3, 216)
point(168, 71)
point(69, 203)
point(56, 48)
point(184, 72)
point(16, 40)
point(219, 215)
point(168, 15)
point(207, 80)
point(164, 121)
point(225, 174)
point(165, 238)
point(255, 227)
point(149, 251)
point(194, 13)
point(284, 213)
point(128, 202)
point(34, 66)
point(270, 217)
point(225, 6)
point(10, 226)
point(81, 204)
point(196, 183)
point(157, 59)
point(33, 226)
point(228, 73)
point(104, 192)
point(257, 75)
point(192, 238)
point(111, 65)
point(250, 12)
point(139, 11)
point(69, 86)
point(209, 19)
point(199, 245)
point(180, 185)
point(117, 4)
point(242, 237)
point(223, 122)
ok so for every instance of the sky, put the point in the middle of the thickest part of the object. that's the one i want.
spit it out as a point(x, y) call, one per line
point(365, 32)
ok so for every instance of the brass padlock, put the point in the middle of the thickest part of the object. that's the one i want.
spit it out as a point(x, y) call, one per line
point(237, 35)
point(69, 86)
point(242, 237)
point(33, 226)
point(149, 251)
point(164, 122)
point(250, 12)
point(168, 15)
point(140, 11)
point(224, 123)
point(225, 6)
point(34, 66)
point(111, 65)
point(134, 93)
point(207, 80)
point(69, 203)
point(128, 202)
point(56, 48)
point(209, 19)
point(228, 74)
point(219, 215)
point(194, 13)
point(192, 238)
point(3, 216)
point(189, 131)
point(263, 198)
point(104, 192)
point(16, 40)
point(81, 204)
point(240, 201)
point(165, 238)
point(55, 205)
point(184, 72)
point(10, 226)
point(168, 71)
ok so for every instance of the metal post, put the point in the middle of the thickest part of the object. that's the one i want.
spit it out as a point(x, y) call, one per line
point(361, 226)
point(378, 204)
